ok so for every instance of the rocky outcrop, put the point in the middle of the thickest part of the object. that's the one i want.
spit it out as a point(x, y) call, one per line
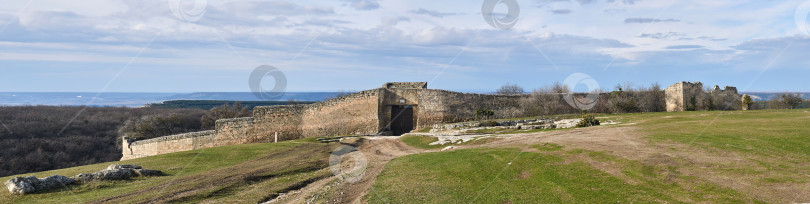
point(567, 123)
point(117, 172)
point(31, 184)
point(525, 124)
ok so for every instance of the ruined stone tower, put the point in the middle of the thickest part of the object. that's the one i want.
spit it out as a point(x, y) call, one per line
point(680, 96)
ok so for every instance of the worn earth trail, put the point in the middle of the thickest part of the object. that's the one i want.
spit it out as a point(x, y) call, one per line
point(624, 141)
point(378, 151)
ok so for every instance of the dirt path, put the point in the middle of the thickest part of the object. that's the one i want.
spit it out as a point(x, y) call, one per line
point(377, 150)
point(625, 141)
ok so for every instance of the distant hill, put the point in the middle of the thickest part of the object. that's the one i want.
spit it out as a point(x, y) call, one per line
point(248, 96)
point(764, 96)
point(140, 99)
point(209, 104)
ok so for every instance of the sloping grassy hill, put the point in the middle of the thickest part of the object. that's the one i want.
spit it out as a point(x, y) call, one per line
point(241, 173)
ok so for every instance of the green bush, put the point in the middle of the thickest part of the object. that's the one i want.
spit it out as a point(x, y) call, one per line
point(484, 113)
point(747, 102)
point(587, 121)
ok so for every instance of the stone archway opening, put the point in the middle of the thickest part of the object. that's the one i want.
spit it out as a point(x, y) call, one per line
point(401, 119)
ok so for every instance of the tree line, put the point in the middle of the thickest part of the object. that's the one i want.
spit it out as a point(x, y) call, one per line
point(782, 101)
point(41, 138)
point(551, 100)
point(627, 98)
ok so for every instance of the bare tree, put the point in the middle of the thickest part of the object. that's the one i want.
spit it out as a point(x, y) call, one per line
point(559, 88)
point(651, 99)
point(152, 126)
point(774, 103)
point(510, 89)
point(223, 112)
point(791, 101)
point(627, 99)
point(547, 101)
point(622, 99)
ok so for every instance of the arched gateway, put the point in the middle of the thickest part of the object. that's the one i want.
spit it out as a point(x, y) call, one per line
point(393, 109)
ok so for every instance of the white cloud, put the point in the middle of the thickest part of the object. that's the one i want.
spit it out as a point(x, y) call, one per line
point(364, 4)
point(648, 20)
point(676, 47)
point(433, 13)
point(411, 37)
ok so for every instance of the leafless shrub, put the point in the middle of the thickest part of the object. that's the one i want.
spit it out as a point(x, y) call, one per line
point(622, 99)
point(547, 101)
point(41, 138)
point(160, 125)
point(790, 101)
point(651, 99)
point(223, 112)
point(627, 99)
point(510, 89)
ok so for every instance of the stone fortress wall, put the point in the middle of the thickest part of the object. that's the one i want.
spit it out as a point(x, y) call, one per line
point(440, 106)
point(372, 112)
point(367, 112)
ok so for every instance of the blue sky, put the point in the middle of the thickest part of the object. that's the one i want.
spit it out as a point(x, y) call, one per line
point(145, 46)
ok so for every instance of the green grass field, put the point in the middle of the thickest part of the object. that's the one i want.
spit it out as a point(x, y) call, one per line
point(512, 176)
point(776, 141)
point(240, 173)
point(762, 132)
point(774, 146)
